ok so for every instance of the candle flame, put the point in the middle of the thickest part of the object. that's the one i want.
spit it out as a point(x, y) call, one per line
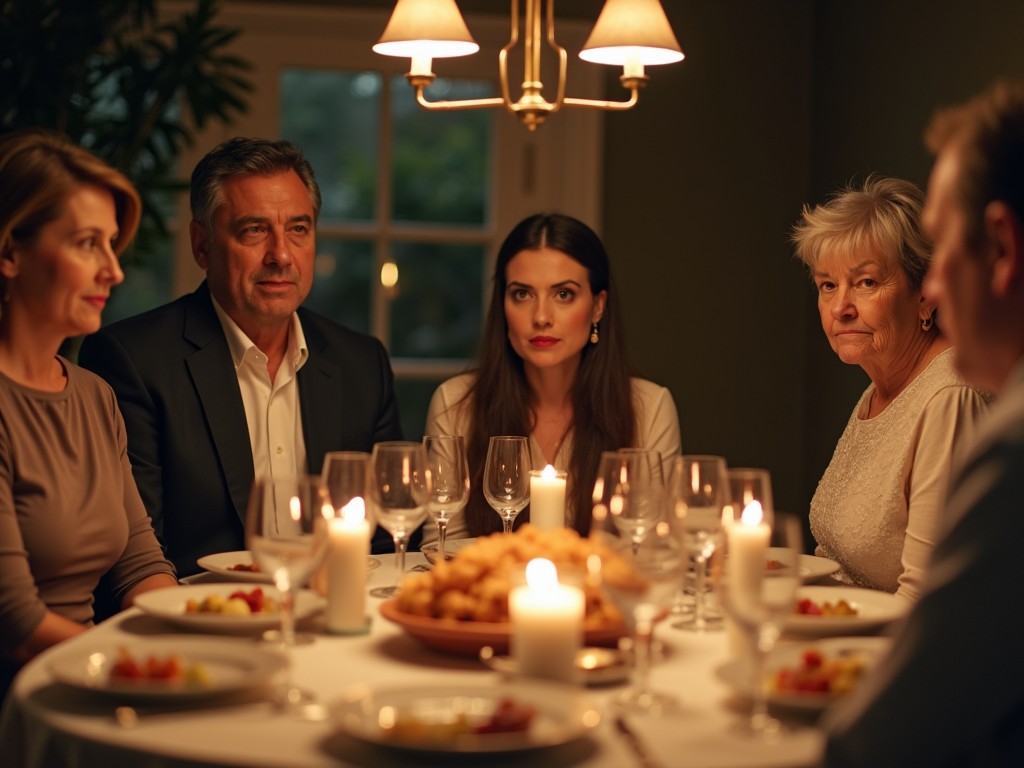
point(541, 574)
point(752, 513)
point(549, 472)
point(295, 508)
point(695, 478)
point(355, 511)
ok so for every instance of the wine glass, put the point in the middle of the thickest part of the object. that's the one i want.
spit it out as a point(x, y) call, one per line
point(699, 489)
point(286, 531)
point(507, 477)
point(398, 489)
point(758, 598)
point(449, 470)
point(629, 485)
point(642, 582)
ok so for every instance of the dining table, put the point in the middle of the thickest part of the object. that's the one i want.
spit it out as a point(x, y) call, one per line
point(46, 723)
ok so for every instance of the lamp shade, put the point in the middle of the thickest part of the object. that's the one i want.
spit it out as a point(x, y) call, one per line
point(632, 31)
point(432, 28)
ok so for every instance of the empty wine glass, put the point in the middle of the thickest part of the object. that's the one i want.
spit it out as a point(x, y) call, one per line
point(699, 489)
point(758, 598)
point(507, 477)
point(629, 485)
point(285, 530)
point(398, 489)
point(642, 582)
point(449, 470)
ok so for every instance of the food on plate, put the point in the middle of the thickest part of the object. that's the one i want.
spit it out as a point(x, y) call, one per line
point(238, 603)
point(775, 565)
point(510, 716)
point(818, 673)
point(807, 607)
point(474, 585)
point(247, 567)
point(172, 670)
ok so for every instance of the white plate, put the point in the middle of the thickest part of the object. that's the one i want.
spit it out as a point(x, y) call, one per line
point(562, 715)
point(739, 673)
point(451, 548)
point(169, 604)
point(231, 667)
point(874, 609)
point(221, 563)
point(811, 567)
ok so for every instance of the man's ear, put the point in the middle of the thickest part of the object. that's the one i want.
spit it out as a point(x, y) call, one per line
point(200, 244)
point(1006, 237)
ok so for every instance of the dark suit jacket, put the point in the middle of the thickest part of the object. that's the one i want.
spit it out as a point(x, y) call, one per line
point(187, 435)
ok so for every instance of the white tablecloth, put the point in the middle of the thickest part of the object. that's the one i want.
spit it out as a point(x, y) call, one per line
point(46, 725)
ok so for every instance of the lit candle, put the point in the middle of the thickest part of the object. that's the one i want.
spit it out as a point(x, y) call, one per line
point(547, 498)
point(547, 623)
point(748, 552)
point(347, 553)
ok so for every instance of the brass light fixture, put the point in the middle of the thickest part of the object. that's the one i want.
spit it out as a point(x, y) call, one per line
point(628, 33)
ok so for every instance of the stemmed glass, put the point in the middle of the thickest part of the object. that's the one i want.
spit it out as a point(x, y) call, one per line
point(507, 477)
point(642, 582)
point(398, 488)
point(285, 530)
point(758, 598)
point(699, 489)
point(630, 487)
point(449, 470)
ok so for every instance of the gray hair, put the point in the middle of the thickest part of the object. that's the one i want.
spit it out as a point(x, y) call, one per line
point(242, 157)
point(883, 215)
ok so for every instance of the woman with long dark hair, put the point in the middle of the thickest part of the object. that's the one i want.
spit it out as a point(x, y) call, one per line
point(552, 365)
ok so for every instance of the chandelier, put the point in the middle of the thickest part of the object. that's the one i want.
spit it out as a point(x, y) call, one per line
point(632, 34)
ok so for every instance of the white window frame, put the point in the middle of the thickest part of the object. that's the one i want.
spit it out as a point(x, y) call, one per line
point(559, 167)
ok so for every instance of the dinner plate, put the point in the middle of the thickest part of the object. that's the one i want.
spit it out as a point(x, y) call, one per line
point(739, 673)
point(228, 667)
point(452, 547)
point(221, 563)
point(169, 604)
point(874, 610)
point(466, 638)
point(595, 666)
point(811, 567)
point(428, 716)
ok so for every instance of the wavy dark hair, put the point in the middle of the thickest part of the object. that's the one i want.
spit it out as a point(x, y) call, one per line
point(499, 400)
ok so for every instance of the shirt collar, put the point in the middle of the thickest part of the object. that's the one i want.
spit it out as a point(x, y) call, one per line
point(240, 344)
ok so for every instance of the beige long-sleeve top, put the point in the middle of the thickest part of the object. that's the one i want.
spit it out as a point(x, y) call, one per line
point(877, 507)
point(657, 428)
point(69, 508)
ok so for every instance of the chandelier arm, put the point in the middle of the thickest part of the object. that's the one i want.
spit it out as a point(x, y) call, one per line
point(613, 106)
point(421, 99)
point(563, 57)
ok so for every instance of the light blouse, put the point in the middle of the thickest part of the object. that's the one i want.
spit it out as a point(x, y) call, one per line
point(657, 428)
point(876, 510)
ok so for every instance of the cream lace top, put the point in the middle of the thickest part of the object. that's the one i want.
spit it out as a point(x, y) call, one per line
point(876, 508)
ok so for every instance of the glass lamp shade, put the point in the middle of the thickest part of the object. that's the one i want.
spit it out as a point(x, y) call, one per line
point(426, 28)
point(632, 31)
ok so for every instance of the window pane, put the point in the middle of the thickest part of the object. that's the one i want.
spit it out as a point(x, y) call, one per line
point(147, 282)
point(441, 159)
point(341, 281)
point(413, 397)
point(436, 309)
point(334, 117)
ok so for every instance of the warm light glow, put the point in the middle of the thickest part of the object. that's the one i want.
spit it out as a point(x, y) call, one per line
point(631, 32)
point(354, 512)
point(695, 478)
point(549, 472)
point(541, 574)
point(389, 274)
point(295, 508)
point(428, 28)
point(752, 514)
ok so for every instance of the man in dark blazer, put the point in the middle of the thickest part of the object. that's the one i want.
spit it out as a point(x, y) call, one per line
point(194, 377)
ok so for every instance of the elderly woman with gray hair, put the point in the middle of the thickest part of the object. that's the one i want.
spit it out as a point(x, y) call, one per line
point(876, 508)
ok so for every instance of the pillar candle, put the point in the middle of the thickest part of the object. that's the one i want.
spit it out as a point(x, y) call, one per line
point(547, 624)
point(547, 498)
point(347, 553)
point(748, 540)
